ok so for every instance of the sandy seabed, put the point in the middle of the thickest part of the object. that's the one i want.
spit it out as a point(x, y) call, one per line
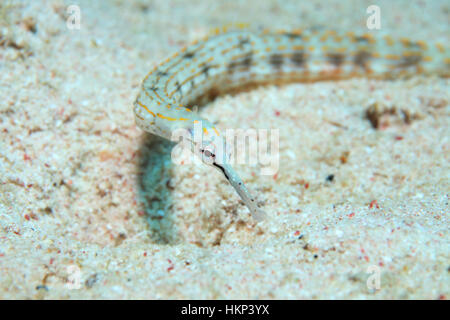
point(91, 207)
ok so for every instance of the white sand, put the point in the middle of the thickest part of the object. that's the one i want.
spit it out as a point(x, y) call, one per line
point(86, 195)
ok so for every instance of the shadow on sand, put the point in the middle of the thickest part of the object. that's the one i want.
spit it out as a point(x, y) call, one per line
point(154, 190)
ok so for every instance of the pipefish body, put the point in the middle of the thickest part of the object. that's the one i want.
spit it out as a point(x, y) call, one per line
point(234, 58)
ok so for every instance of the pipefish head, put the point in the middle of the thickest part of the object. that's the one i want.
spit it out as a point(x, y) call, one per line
point(213, 149)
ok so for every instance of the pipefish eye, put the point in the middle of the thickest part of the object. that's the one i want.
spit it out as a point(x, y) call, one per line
point(209, 154)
